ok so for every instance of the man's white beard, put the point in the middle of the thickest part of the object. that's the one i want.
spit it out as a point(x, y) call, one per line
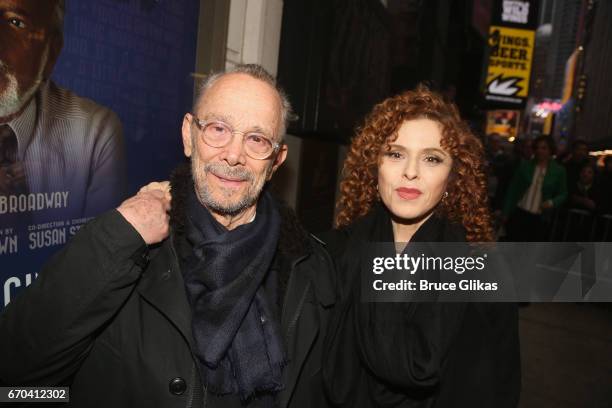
point(10, 99)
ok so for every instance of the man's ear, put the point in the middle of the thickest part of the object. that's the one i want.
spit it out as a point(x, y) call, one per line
point(56, 43)
point(186, 133)
point(281, 156)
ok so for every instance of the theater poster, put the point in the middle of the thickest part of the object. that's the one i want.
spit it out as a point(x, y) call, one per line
point(92, 95)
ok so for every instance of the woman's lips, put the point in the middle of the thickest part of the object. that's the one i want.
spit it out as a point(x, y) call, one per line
point(408, 193)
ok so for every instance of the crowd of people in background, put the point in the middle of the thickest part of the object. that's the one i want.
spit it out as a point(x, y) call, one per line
point(539, 194)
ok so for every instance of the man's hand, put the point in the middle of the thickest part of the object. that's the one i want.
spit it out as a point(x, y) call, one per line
point(148, 210)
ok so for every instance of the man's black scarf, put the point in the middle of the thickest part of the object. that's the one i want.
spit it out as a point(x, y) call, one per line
point(232, 292)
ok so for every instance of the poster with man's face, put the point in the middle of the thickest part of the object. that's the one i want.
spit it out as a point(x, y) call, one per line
point(32, 40)
point(92, 93)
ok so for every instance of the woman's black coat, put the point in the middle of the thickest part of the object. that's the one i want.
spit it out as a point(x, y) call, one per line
point(416, 354)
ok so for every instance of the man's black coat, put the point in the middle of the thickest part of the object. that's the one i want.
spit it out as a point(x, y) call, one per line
point(116, 327)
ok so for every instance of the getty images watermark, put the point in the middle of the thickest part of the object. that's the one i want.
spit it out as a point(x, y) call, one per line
point(413, 264)
point(487, 272)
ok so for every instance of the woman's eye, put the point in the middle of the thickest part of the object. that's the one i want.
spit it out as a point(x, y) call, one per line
point(394, 155)
point(433, 159)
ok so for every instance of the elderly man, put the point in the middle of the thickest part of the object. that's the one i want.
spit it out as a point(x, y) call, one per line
point(52, 140)
point(230, 310)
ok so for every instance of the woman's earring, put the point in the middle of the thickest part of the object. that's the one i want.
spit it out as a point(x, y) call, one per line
point(445, 195)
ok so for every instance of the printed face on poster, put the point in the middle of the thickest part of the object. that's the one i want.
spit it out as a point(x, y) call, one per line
point(92, 94)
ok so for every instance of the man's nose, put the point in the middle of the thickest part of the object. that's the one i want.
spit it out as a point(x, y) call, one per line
point(234, 153)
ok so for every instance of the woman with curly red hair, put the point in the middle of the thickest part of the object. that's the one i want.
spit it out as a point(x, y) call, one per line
point(414, 173)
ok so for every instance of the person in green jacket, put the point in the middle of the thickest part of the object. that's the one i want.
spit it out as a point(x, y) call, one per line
point(538, 186)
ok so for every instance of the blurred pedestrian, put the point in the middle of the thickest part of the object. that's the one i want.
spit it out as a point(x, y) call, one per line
point(538, 186)
point(584, 203)
point(578, 157)
point(521, 151)
point(585, 194)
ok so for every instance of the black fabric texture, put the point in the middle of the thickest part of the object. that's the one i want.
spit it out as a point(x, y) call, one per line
point(415, 354)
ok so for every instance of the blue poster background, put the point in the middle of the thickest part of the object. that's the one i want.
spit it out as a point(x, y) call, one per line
point(136, 58)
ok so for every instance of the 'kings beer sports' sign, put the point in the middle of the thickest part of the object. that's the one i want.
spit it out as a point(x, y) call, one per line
point(511, 44)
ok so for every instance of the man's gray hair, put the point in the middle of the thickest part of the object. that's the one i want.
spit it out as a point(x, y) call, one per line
point(258, 72)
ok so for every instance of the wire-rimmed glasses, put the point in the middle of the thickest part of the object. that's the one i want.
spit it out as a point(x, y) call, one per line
point(216, 133)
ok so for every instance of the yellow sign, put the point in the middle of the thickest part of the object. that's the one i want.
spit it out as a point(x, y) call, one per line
point(504, 123)
point(510, 56)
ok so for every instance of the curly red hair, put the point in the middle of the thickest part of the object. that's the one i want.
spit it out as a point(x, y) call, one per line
point(466, 202)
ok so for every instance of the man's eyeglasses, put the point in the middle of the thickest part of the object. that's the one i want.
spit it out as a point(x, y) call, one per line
point(219, 134)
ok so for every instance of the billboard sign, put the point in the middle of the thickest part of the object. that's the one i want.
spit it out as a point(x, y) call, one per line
point(510, 53)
